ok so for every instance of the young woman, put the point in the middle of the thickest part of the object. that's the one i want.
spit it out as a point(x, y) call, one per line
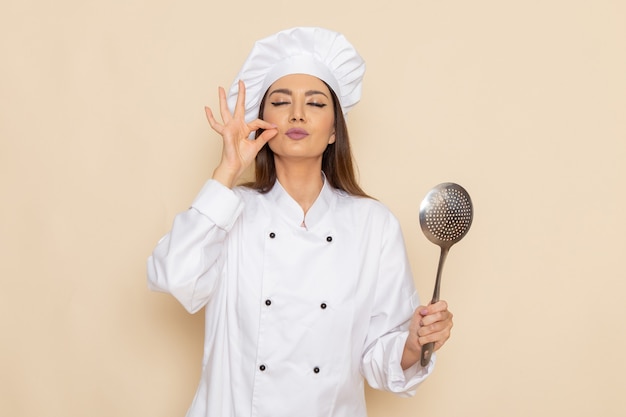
point(304, 279)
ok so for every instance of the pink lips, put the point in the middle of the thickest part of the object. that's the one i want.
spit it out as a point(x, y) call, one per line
point(296, 133)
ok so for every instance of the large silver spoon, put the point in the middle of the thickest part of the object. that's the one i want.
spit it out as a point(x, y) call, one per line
point(446, 215)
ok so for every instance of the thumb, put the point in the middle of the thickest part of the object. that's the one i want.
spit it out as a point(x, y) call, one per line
point(266, 136)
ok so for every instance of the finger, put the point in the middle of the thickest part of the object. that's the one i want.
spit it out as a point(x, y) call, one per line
point(437, 326)
point(212, 122)
point(440, 316)
point(433, 308)
point(269, 130)
point(439, 339)
point(224, 111)
point(240, 105)
point(266, 136)
point(261, 124)
point(440, 305)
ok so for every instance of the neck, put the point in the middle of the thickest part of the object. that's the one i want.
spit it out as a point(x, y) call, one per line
point(303, 182)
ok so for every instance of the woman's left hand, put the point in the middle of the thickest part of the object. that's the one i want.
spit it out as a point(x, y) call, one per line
point(431, 323)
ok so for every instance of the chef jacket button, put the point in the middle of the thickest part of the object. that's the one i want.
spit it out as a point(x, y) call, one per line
point(262, 368)
point(268, 302)
point(323, 306)
point(316, 370)
point(329, 238)
point(272, 235)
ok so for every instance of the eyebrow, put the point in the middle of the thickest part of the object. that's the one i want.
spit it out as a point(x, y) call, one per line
point(289, 92)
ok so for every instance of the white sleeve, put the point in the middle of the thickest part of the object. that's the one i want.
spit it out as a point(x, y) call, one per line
point(394, 303)
point(187, 261)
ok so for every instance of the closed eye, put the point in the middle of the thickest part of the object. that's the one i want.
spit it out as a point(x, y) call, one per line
point(279, 103)
point(320, 105)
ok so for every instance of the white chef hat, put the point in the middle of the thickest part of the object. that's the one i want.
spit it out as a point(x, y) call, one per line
point(315, 51)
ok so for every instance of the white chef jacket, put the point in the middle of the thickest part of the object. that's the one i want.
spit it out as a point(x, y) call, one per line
point(296, 316)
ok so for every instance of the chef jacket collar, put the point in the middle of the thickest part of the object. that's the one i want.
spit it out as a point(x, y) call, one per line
point(291, 210)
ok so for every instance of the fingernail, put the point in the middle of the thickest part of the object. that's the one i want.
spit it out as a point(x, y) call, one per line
point(424, 311)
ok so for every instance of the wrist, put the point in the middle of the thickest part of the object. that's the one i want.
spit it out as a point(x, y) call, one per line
point(226, 177)
point(410, 355)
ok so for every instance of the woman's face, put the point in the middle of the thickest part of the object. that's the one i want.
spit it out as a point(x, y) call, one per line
point(302, 108)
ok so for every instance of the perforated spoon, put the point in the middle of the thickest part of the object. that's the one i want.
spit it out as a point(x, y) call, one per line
point(446, 215)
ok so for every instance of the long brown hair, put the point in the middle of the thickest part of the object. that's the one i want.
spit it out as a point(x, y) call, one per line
point(337, 160)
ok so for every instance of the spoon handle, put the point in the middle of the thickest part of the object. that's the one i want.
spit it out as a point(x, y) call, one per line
point(428, 348)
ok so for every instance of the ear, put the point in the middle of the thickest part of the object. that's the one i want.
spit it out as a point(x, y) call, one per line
point(332, 138)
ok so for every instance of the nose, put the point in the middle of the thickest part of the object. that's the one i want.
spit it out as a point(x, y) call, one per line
point(297, 113)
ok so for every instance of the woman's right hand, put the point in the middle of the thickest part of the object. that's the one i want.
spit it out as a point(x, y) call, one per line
point(238, 152)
